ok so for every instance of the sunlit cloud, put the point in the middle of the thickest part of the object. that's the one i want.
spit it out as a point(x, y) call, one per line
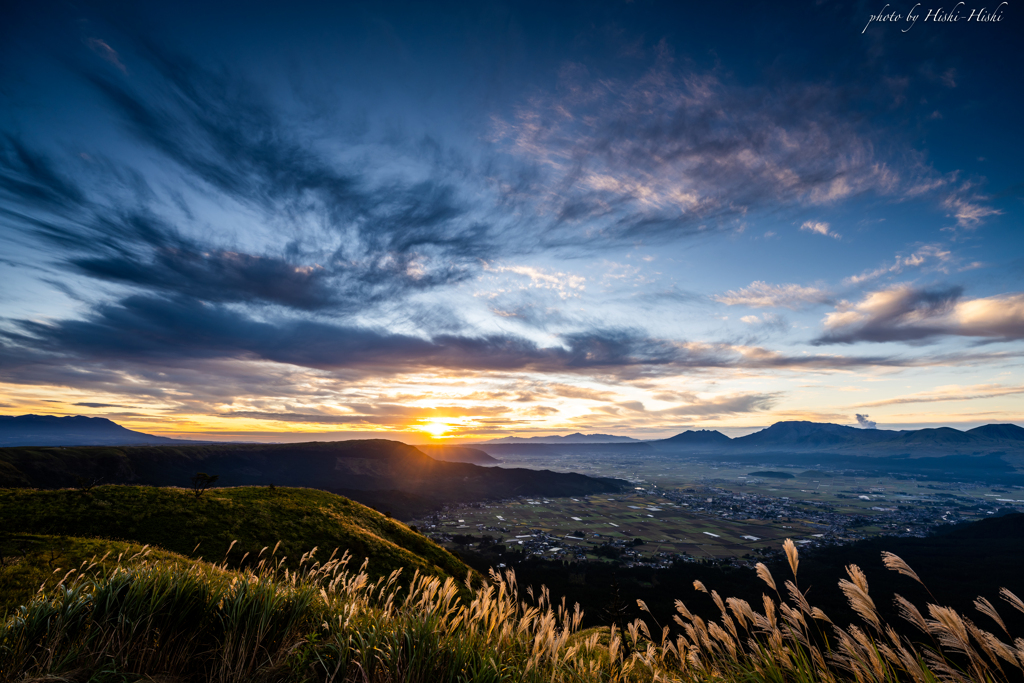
point(906, 313)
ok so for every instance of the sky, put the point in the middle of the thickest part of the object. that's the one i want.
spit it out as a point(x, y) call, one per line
point(458, 221)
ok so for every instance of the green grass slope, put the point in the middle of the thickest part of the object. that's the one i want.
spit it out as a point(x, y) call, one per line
point(255, 517)
point(29, 562)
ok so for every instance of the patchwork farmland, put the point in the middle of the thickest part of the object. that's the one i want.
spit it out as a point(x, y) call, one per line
point(713, 511)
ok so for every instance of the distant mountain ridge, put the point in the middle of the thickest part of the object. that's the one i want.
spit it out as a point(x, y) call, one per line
point(999, 431)
point(787, 436)
point(798, 435)
point(76, 430)
point(827, 437)
point(569, 438)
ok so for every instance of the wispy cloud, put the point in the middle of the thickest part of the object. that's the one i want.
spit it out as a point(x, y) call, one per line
point(565, 284)
point(107, 53)
point(821, 228)
point(682, 151)
point(937, 255)
point(767, 322)
point(968, 207)
point(358, 236)
point(760, 294)
point(32, 180)
point(678, 149)
point(568, 391)
point(953, 392)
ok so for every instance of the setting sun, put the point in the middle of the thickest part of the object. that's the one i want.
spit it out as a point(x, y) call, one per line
point(437, 429)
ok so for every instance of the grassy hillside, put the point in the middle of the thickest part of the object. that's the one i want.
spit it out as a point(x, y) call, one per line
point(29, 562)
point(175, 520)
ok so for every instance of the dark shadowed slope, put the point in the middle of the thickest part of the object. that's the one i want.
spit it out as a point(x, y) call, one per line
point(352, 466)
point(458, 454)
point(1008, 432)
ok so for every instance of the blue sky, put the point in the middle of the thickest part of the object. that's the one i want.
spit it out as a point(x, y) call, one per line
point(468, 219)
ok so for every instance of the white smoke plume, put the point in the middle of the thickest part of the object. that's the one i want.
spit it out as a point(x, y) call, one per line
point(866, 423)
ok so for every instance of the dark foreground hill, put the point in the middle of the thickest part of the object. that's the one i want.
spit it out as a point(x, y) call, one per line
point(956, 563)
point(77, 430)
point(376, 468)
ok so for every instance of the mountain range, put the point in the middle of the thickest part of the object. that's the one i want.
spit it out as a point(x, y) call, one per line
point(797, 436)
point(793, 438)
point(790, 436)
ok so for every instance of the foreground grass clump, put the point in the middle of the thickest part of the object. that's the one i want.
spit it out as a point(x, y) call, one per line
point(33, 562)
point(248, 517)
point(326, 622)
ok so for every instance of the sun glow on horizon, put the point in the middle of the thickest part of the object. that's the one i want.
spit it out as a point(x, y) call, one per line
point(437, 428)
